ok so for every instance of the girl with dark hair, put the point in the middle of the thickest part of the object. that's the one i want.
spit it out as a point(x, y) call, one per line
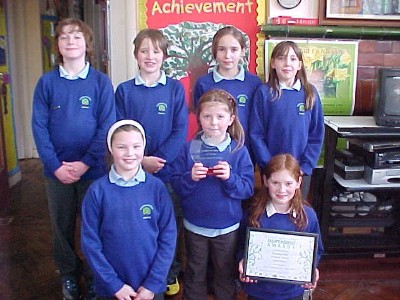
point(287, 114)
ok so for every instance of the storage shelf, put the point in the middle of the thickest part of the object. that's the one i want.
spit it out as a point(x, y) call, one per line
point(361, 184)
point(357, 221)
point(376, 243)
point(360, 127)
point(373, 244)
point(379, 230)
point(326, 32)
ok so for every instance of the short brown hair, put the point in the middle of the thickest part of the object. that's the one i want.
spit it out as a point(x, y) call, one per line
point(156, 37)
point(80, 26)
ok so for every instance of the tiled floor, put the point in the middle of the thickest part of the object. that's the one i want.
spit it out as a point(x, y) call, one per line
point(27, 270)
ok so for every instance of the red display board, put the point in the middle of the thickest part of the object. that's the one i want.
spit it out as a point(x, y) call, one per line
point(190, 26)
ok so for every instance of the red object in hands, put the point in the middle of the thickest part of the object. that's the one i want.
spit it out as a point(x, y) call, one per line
point(210, 171)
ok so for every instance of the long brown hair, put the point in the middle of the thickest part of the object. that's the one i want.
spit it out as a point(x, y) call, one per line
point(228, 30)
point(282, 49)
point(79, 26)
point(220, 96)
point(258, 204)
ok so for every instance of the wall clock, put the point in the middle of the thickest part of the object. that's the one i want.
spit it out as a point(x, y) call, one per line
point(289, 4)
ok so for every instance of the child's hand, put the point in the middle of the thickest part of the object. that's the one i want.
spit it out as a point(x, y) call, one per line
point(153, 164)
point(199, 172)
point(78, 167)
point(312, 285)
point(66, 175)
point(126, 293)
point(222, 170)
point(242, 277)
point(144, 294)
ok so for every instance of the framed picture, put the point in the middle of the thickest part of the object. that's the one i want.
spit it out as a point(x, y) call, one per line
point(280, 256)
point(384, 13)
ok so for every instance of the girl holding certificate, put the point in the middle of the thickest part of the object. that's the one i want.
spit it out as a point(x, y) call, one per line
point(279, 206)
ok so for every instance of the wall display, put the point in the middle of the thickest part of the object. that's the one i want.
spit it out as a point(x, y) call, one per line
point(48, 41)
point(289, 4)
point(5, 97)
point(360, 13)
point(190, 26)
point(331, 67)
point(282, 256)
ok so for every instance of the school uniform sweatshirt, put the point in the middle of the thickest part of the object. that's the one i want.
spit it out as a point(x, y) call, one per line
point(212, 202)
point(284, 126)
point(70, 120)
point(267, 290)
point(242, 91)
point(128, 235)
point(162, 111)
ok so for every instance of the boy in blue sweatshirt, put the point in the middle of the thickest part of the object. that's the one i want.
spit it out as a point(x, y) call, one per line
point(73, 107)
point(158, 103)
point(128, 224)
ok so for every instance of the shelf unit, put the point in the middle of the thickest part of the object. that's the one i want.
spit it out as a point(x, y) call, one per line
point(337, 32)
point(345, 229)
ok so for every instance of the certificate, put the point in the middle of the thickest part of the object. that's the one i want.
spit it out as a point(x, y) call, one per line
point(281, 256)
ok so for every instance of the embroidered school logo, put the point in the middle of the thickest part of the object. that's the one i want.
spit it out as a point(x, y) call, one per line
point(242, 100)
point(162, 108)
point(300, 108)
point(85, 101)
point(146, 210)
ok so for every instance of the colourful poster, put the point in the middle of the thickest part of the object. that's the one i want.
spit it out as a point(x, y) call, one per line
point(48, 40)
point(5, 97)
point(332, 67)
point(190, 26)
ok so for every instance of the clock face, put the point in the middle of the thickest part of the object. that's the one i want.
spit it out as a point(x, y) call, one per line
point(288, 4)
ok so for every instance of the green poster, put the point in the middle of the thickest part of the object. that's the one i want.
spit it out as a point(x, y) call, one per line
point(332, 68)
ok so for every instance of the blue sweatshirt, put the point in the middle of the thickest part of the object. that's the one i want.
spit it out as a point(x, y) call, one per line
point(162, 111)
point(242, 90)
point(283, 126)
point(212, 202)
point(267, 290)
point(128, 235)
point(70, 120)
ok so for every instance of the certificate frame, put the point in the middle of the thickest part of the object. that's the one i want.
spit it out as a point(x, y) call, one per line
point(280, 256)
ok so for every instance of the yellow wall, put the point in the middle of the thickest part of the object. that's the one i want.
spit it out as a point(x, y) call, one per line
point(5, 96)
